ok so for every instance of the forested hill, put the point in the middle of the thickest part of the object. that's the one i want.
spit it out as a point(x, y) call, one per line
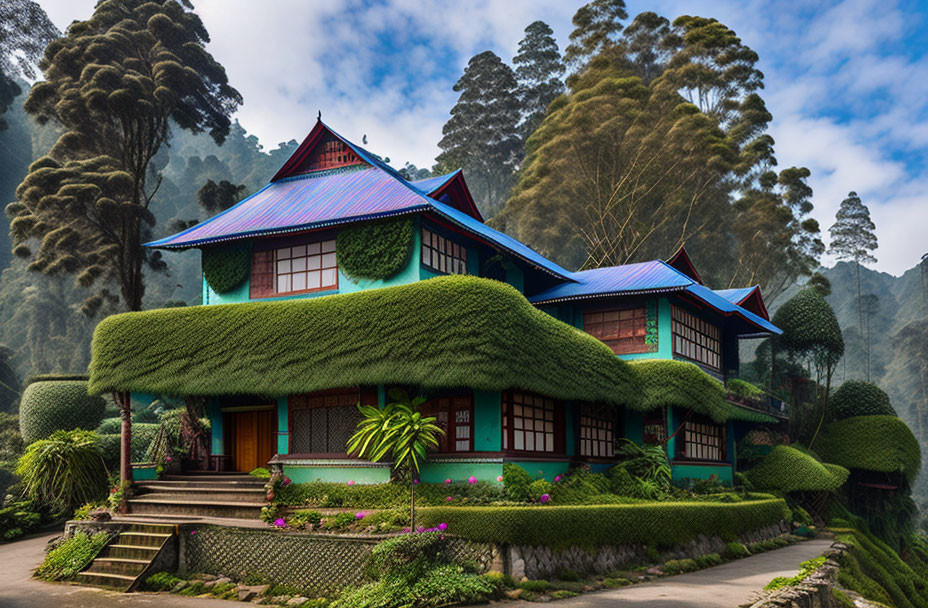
point(898, 335)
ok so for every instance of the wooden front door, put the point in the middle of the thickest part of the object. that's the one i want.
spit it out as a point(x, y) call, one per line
point(250, 438)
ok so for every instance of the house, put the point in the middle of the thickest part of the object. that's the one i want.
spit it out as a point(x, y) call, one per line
point(521, 360)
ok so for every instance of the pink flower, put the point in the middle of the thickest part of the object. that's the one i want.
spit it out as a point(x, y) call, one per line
point(449, 499)
point(442, 526)
point(280, 523)
point(192, 532)
point(544, 498)
point(415, 482)
point(557, 478)
point(351, 482)
point(286, 481)
point(472, 479)
point(499, 478)
point(447, 481)
point(360, 515)
point(167, 459)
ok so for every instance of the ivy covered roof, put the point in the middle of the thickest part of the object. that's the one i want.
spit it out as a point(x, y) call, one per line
point(467, 332)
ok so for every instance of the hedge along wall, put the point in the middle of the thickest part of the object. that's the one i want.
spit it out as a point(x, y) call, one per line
point(789, 470)
point(662, 524)
point(47, 406)
point(466, 331)
point(375, 250)
point(884, 444)
point(681, 384)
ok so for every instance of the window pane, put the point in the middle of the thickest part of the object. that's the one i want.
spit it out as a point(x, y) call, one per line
point(283, 266)
point(328, 260)
point(299, 264)
point(312, 280)
point(299, 251)
point(299, 281)
point(283, 283)
point(313, 248)
point(328, 277)
point(283, 253)
point(314, 262)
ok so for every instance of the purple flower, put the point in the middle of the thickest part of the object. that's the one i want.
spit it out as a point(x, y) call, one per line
point(286, 481)
point(167, 459)
point(192, 532)
point(447, 481)
point(472, 479)
point(280, 522)
point(415, 482)
point(406, 530)
point(557, 478)
point(360, 515)
point(449, 499)
point(442, 526)
point(351, 482)
point(544, 498)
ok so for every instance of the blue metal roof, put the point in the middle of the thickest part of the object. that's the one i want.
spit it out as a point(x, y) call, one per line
point(735, 295)
point(645, 277)
point(431, 184)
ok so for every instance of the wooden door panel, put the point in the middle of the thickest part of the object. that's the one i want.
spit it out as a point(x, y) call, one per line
point(254, 438)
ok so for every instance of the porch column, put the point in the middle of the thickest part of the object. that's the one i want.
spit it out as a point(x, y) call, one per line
point(125, 444)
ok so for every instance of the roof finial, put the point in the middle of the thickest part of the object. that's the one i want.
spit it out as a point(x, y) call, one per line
point(319, 117)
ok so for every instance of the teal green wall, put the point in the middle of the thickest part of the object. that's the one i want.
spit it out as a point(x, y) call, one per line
point(283, 439)
point(543, 469)
point(214, 413)
point(438, 472)
point(514, 275)
point(488, 424)
point(633, 426)
point(144, 472)
point(360, 474)
point(702, 471)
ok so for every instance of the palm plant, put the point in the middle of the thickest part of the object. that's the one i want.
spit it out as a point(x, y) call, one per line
point(64, 471)
point(399, 430)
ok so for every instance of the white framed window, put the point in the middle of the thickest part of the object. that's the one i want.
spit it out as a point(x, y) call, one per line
point(309, 267)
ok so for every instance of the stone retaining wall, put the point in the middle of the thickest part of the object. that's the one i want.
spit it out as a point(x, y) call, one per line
point(814, 591)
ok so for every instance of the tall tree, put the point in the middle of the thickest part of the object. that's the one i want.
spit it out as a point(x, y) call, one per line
point(25, 29)
point(648, 44)
point(870, 303)
point(482, 135)
point(597, 26)
point(853, 238)
point(116, 83)
point(215, 198)
point(539, 70)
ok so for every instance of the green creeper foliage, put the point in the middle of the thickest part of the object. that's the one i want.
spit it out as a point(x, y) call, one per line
point(49, 406)
point(359, 339)
point(664, 524)
point(225, 267)
point(787, 469)
point(859, 398)
point(681, 384)
point(872, 443)
point(71, 556)
point(64, 471)
point(375, 250)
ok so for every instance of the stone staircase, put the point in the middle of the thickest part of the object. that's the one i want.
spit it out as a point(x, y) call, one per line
point(217, 495)
point(123, 562)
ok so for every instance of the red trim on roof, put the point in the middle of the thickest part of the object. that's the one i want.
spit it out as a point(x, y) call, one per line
point(754, 302)
point(681, 261)
point(459, 196)
point(305, 150)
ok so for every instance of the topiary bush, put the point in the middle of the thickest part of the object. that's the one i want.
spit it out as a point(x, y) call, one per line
point(225, 267)
point(109, 426)
point(859, 398)
point(681, 384)
point(61, 405)
point(516, 481)
point(872, 443)
point(375, 250)
point(787, 469)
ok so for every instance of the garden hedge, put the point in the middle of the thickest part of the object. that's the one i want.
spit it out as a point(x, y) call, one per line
point(467, 331)
point(225, 267)
point(681, 384)
point(142, 436)
point(47, 406)
point(375, 250)
point(860, 398)
point(787, 469)
point(872, 443)
point(664, 524)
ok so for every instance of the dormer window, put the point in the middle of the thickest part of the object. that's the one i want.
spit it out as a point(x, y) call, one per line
point(443, 255)
point(301, 267)
point(696, 339)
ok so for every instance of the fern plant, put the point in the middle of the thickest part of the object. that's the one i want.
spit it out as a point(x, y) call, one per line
point(64, 471)
point(647, 465)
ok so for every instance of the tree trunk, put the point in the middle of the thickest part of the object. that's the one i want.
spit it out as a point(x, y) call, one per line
point(125, 446)
point(412, 505)
point(860, 310)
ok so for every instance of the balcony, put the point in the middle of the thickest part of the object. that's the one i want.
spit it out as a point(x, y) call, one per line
point(748, 396)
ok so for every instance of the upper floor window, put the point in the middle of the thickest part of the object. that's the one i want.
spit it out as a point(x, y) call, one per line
point(597, 430)
point(623, 330)
point(695, 339)
point(296, 269)
point(455, 415)
point(443, 255)
point(532, 423)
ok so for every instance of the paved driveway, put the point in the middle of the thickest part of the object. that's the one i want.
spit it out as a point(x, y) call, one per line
point(18, 590)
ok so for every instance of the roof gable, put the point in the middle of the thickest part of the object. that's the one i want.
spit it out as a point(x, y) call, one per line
point(681, 261)
point(452, 190)
point(749, 298)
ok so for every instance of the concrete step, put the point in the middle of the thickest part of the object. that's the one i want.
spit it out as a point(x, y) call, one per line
point(249, 484)
point(203, 508)
point(130, 552)
point(142, 539)
point(118, 582)
point(220, 494)
point(214, 477)
point(118, 565)
point(152, 528)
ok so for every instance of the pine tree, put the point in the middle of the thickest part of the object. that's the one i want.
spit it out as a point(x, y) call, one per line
point(596, 27)
point(647, 45)
point(853, 238)
point(482, 136)
point(538, 69)
point(25, 29)
point(117, 83)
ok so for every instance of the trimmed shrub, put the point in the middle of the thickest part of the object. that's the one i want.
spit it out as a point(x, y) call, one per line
point(787, 469)
point(110, 449)
point(361, 338)
point(808, 323)
point(872, 443)
point(859, 398)
point(60, 405)
point(384, 495)
point(516, 481)
point(743, 388)
point(375, 250)
point(71, 556)
point(225, 267)
point(109, 426)
point(681, 384)
point(665, 524)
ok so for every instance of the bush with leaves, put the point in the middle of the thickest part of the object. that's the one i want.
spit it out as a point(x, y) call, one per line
point(48, 406)
point(883, 444)
point(860, 398)
point(647, 466)
point(375, 250)
point(64, 471)
point(71, 556)
point(18, 518)
point(516, 481)
point(787, 469)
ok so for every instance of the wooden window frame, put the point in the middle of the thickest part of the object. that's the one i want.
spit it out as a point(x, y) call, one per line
point(366, 396)
point(447, 250)
point(508, 424)
point(695, 339)
point(619, 345)
point(452, 404)
point(661, 419)
point(595, 418)
point(264, 265)
point(695, 436)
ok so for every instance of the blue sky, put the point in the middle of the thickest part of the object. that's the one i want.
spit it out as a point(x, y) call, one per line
point(846, 81)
